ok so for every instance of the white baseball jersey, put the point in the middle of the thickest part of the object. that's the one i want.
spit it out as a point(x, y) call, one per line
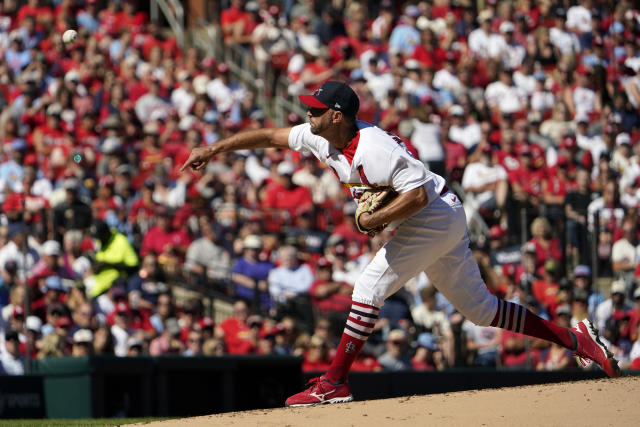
point(374, 158)
point(433, 239)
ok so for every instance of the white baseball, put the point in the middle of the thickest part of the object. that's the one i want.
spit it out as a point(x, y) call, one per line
point(70, 36)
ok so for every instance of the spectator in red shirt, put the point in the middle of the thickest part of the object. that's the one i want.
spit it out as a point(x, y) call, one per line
point(159, 239)
point(285, 196)
point(234, 21)
point(329, 297)
point(547, 246)
point(315, 358)
point(546, 289)
point(236, 331)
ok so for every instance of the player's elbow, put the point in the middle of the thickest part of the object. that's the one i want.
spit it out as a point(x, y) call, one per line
point(421, 198)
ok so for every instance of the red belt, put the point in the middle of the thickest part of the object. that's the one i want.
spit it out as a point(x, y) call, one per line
point(444, 191)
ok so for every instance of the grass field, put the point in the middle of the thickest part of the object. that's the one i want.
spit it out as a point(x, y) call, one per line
point(90, 422)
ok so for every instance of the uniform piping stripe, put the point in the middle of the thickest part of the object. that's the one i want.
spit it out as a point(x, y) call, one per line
point(361, 323)
point(510, 321)
point(360, 329)
point(364, 307)
point(521, 316)
point(503, 313)
point(372, 316)
point(355, 335)
point(358, 334)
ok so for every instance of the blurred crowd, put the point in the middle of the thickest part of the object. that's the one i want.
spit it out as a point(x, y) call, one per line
point(529, 109)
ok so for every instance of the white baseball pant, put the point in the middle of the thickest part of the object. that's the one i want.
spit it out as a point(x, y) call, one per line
point(435, 241)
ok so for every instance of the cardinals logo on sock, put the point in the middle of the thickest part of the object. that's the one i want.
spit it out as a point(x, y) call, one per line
point(350, 348)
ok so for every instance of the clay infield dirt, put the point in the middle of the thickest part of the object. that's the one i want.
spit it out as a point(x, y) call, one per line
point(605, 402)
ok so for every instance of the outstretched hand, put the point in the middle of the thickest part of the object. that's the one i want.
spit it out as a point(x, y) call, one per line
point(198, 159)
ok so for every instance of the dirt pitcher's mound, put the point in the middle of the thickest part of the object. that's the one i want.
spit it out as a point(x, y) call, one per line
point(601, 403)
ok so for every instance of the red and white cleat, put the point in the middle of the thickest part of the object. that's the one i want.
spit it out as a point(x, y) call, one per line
point(591, 348)
point(321, 391)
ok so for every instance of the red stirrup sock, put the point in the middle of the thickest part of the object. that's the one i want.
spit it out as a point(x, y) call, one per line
point(516, 318)
point(360, 323)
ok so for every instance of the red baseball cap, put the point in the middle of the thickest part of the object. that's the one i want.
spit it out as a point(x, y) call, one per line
point(496, 232)
point(122, 307)
point(63, 321)
point(18, 311)
point(206, 322)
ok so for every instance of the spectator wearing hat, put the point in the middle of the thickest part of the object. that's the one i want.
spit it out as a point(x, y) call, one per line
point(322, 183)
point(502, 96)
point(33, 326)
point(115, 258)
point(250, 272)
point(160, 239)
point(621, 157)
point(272, 43)
point(587, 142)
point(137, 346)
point(481, 39)
point(617, 302)
point(396, 357)
point(347, 230)
point(555, 357)
point(151, 106)
point(508, 50)
point(148, 282)
point(54, 292)
point(11, 361)
point(428, 356)
point(286, 199)
point(546, 289)
point(428, 317)
point(502, 253)
point(463, 130)
point(566, 42)
point(13, 251)
point(405, 37)
point(582, 281)
point(73, 213)
point(62, 328)
point(316, 356)
point(223, 91)
point(328, 297)
point(485, 186)
point(82, 343)
point(615, 337)
point(121, 328)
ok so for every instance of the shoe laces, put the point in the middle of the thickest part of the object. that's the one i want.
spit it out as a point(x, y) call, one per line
point(313, 382)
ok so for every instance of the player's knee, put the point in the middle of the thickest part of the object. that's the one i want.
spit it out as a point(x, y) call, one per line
point(482, 314)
